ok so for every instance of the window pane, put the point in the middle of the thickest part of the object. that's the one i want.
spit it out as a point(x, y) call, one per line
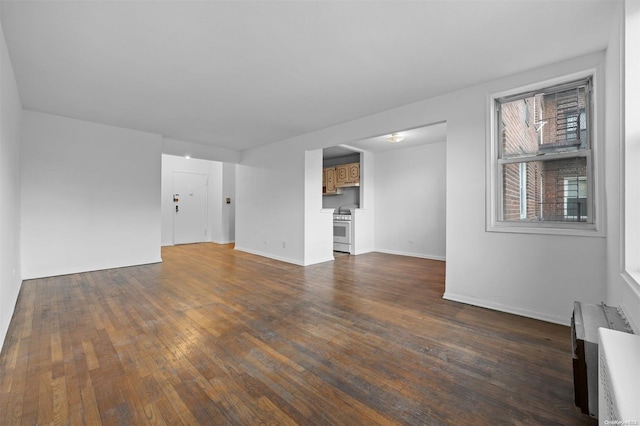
point(575, 193)
point(519, 134)
point(552, 191)
point(565, 118)
point(545, 122)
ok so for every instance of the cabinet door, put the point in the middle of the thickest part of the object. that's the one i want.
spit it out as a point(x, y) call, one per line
point(354, 173)
point(342, 175)
point(330, 180)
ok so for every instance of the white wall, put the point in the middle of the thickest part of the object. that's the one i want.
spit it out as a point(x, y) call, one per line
point(90, 196)
point(534, 275)
point(318, 223)
point(10, 116)
point(270, 188)
point(410, 201)
point(363, 217)
point(220, 216)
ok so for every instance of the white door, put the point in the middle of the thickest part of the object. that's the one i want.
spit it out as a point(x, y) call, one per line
point(189, 207)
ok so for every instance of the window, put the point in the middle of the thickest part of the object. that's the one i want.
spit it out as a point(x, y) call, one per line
point(542, 159)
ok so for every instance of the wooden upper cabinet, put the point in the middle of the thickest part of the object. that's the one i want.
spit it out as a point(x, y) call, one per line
point(348, 175)
point(329, 181)
point(341, 174)
point(354, 172)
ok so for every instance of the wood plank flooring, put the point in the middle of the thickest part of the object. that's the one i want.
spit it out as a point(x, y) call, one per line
point(214, 336)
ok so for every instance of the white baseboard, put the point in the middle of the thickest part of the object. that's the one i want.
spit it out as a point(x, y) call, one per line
point(270, 256)
point(209, 241)
point(469, 300)
point(357, 252)
point(31, 275)
point(404, 253)
point(319, 260)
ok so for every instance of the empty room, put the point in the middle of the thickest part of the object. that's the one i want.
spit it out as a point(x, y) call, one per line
point(319, 212)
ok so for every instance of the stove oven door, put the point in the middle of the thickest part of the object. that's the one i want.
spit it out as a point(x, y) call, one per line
point(342, 232)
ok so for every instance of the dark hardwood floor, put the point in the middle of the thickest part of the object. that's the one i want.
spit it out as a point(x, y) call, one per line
point(215, 336)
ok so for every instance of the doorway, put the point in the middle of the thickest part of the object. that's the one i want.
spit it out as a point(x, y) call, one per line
point(190, 205)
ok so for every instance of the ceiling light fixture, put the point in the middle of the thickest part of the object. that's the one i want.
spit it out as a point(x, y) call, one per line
point(395, 138)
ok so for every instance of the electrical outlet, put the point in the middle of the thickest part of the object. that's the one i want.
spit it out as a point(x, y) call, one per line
point(284, 245)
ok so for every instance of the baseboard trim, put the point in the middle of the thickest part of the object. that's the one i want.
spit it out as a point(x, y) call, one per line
point(405, 253)
point(269, 255)
point(71, 271)
point(319, 260)
point(469, 300)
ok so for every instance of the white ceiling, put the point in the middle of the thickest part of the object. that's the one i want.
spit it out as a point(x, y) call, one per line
point(412, 137)
point(241, 74)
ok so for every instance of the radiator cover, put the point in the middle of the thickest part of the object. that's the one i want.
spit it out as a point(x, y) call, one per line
point(619, 388)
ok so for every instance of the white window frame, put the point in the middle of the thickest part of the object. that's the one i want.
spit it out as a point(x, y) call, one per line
point(630, 129)
point(522, 170)
point(593, 228)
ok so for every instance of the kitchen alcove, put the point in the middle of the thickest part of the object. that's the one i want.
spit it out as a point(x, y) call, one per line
point(341, 196)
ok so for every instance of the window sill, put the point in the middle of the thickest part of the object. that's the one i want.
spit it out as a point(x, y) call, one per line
point(632, 277)
point(578, 230)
